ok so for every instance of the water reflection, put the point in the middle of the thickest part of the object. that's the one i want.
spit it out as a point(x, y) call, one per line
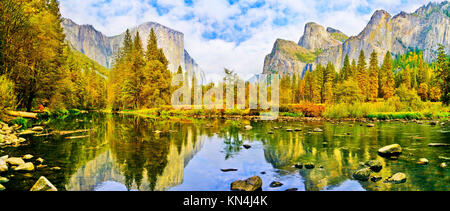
point(137, 153)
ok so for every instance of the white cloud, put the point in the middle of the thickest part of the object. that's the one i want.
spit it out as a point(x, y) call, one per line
point(241, 50)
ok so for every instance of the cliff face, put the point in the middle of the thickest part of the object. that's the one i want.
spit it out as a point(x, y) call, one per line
point(102, 49)
point(421, 30)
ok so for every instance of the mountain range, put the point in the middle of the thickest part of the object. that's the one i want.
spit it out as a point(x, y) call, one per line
point(102, 48)
point(422, 30)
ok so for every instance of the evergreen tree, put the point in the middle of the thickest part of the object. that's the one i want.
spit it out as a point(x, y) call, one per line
point(443, 74)
point(373, 77)
point(346, 71)
point(361, 74)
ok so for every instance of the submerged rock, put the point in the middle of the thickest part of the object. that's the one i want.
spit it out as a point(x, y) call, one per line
point(250, 184)
point(443, 165)
point(318, 130)
point(375, 165)
point(298, 129)
point(370, 125)
point(362, 174)
point(438, 145)
point(25, 167)
point(397, 178)
point(289, 130)
point(390, 150)
point(15, 161)
point(248, 127)
point(246, 146)
point(276, 184)
point(55, 168)
point(422, 161)
point(2, 188)
point(270, 132)
point(43, 185)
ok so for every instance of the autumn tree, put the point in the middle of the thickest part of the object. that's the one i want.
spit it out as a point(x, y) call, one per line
point(443, 74)
point(387, 79)
point(361, 74)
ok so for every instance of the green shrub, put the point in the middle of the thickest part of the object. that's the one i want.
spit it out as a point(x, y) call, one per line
point(21, 121)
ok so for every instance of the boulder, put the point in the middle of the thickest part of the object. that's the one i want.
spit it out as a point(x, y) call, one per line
point(43, 185)
point(422, 161)
point(4, 180)
point(390, 150)
point(28, 157)
point(318, 130)
point(40, 160)
point(25, 167)
point(362, 174)
point(250, 184)
point(37, 129)
point(15, 161)
point(375, 178)
point(276, 184)
point(3, 166)
point(375, 165)
point(397, 178)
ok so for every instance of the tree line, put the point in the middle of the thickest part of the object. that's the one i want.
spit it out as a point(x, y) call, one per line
point(407, 77)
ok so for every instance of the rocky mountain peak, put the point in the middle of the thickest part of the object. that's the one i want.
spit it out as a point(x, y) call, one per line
point(315, 37)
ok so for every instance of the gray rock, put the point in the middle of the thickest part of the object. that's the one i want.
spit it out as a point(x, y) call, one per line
point(251, 184)
point(43, 185)
point(375, 165)
point(15, 161)
point(422, 161)
point(390, 150)
point(25, 167)
point(4, 180)
point(397, 178)
point(318, 130)
point(276, 184)
point(362, 174)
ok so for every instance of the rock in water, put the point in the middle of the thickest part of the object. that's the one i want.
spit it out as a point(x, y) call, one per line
point(15, 161)
point(3, 166)
point(299, 166)
point(2, 188)
point(28, 157)
point(25, 167)
point(276, 184)
point(438, 145)
point(443, 165)
point(397, 178)
point(309, 166)
point(246, 146)
point(228, 170)
point(43, 185)
point(362, 174)
point(40, 160)
point(37, 129)
point(370, 125)
point(318, 130)
point(422, 161)
point(375, 165)
point(250, 184)
point(390, 150)
point(375, 178)
point(248, 127)
point(4, 180)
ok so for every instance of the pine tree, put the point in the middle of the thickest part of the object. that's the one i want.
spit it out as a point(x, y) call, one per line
point(361, 74)
point(443, 74)
point(353, 69)
point(373, 77)
point(152, 47)
point(387, 80)
point(346, 71)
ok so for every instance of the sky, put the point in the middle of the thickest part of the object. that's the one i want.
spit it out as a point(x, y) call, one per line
point(235, 34)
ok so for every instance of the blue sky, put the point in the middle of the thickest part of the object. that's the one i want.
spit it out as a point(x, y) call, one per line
point(236, 34)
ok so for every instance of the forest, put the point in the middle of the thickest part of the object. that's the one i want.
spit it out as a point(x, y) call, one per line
point(40, 71)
